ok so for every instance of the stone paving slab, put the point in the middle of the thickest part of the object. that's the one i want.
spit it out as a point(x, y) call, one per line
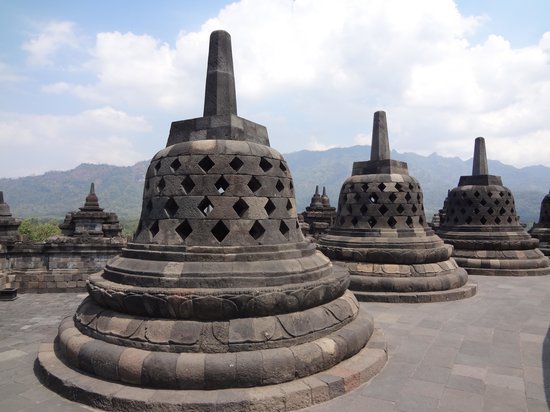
point(487, 353)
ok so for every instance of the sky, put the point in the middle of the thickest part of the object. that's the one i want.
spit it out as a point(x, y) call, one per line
point(100, 81)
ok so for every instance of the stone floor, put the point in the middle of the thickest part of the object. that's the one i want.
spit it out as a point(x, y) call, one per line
point(487, 353)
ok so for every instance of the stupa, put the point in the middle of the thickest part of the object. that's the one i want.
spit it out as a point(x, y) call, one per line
point(91, 220)
point(219, 293)
point(8, 224)
point(482, 225)
point(319, 215)
point(541, 230)
point(381, 234)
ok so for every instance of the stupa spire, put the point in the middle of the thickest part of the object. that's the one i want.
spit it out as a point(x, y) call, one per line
point(480, 158)
point(380, 148)
point(220, 97)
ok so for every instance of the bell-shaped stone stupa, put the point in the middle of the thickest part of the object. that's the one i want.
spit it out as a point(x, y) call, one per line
point(219, 292)
point(382, 236)
point(541, 230)
point(482, 225)
point(8, 224)
point(319, 215)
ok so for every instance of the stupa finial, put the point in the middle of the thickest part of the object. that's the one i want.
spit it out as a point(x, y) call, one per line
point(220, 97)
point(317, 190)
point(480, 158)
point(380, 149)
point(92, 189)
point(324, 191)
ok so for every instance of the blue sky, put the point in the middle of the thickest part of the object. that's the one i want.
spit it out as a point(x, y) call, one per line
point(100, 81)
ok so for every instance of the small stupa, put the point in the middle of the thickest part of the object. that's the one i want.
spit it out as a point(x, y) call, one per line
point(219, 293)
point(8, 224)
point(482, 224)
point(541, 230)
point(319, 215)
point(91, 220)
point(381, 234)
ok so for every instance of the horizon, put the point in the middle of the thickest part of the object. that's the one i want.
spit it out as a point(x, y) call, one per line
point(84, 86)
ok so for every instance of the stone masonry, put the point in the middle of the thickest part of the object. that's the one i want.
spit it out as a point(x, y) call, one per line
point(319, 215)
point(219, 302)
point(382, 236)
point(482, 225)
point(541, 230)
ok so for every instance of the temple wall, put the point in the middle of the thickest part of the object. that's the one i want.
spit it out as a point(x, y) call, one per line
point(4, 280)
point(57, 267)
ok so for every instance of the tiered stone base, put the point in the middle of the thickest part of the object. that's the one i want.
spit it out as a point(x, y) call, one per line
point(300, 393)
point(418, 283)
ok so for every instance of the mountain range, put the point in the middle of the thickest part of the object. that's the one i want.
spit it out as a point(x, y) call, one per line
point(53, 194)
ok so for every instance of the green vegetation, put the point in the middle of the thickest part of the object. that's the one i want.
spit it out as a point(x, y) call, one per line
point(36, 231)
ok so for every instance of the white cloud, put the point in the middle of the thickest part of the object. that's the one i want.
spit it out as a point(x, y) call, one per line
point(42, 47)
point(318, 146)
point(32, 143)
point(324, 67)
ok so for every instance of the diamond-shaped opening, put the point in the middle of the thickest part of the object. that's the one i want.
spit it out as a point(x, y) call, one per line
point(257, 230)
point(363, 210)
point(507, 202)
point(409, 221)
point(469, 219)
point(288, 204)
point(400, 209)
point(490, 211)
point(411, 186)
point(342, 220)
point(279, 186)
point(452, 211)
point(392, 222)
point(187, 185)
point(184, 229)
point(364, 187)
point(392, 197)
point(420, 220)
point(175, 165)
point(373, 198)
point(398, 186)
point(476, 211)
point(463, 211)
point(220, 231)
point(414, 208)
point(357, 197)
point(206, 164)
point(265, 164)
point(171, 207)
point(269, 207)
point(383, 209)
point(149, 206)
point(236, 164)
point(284, 229)
point(469, 202)
point(419, 197)
point(455, 220)
point(509, 220)
point(490, 194)
point(408, 197)
point(497, 202)
point(282, 166)
point(161, 185)
point(240, 207)
point(222, 185)
point(476, 194)
point(371, 221)
point(154, 229)
point(254, 184)
point(157, 166)
point(483, 202)
point(483, 220)
point(502, 211)
point(497, 220)
point(205, 206)
point(512, 210)
point(354, 221)
point(381, 186)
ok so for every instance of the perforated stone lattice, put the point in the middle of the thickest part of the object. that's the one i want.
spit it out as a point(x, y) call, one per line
point(377, 205)
point(486, 205)
point(223, 198)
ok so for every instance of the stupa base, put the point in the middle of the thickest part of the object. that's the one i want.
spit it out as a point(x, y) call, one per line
point(296, 394)
point(466, 291)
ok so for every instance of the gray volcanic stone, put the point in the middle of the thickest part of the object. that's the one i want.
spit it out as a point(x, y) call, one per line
point(8, 224)
point(541, 229)
point(219, 289)
point(319, 215)
point(481, 223)
point(382, 237)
